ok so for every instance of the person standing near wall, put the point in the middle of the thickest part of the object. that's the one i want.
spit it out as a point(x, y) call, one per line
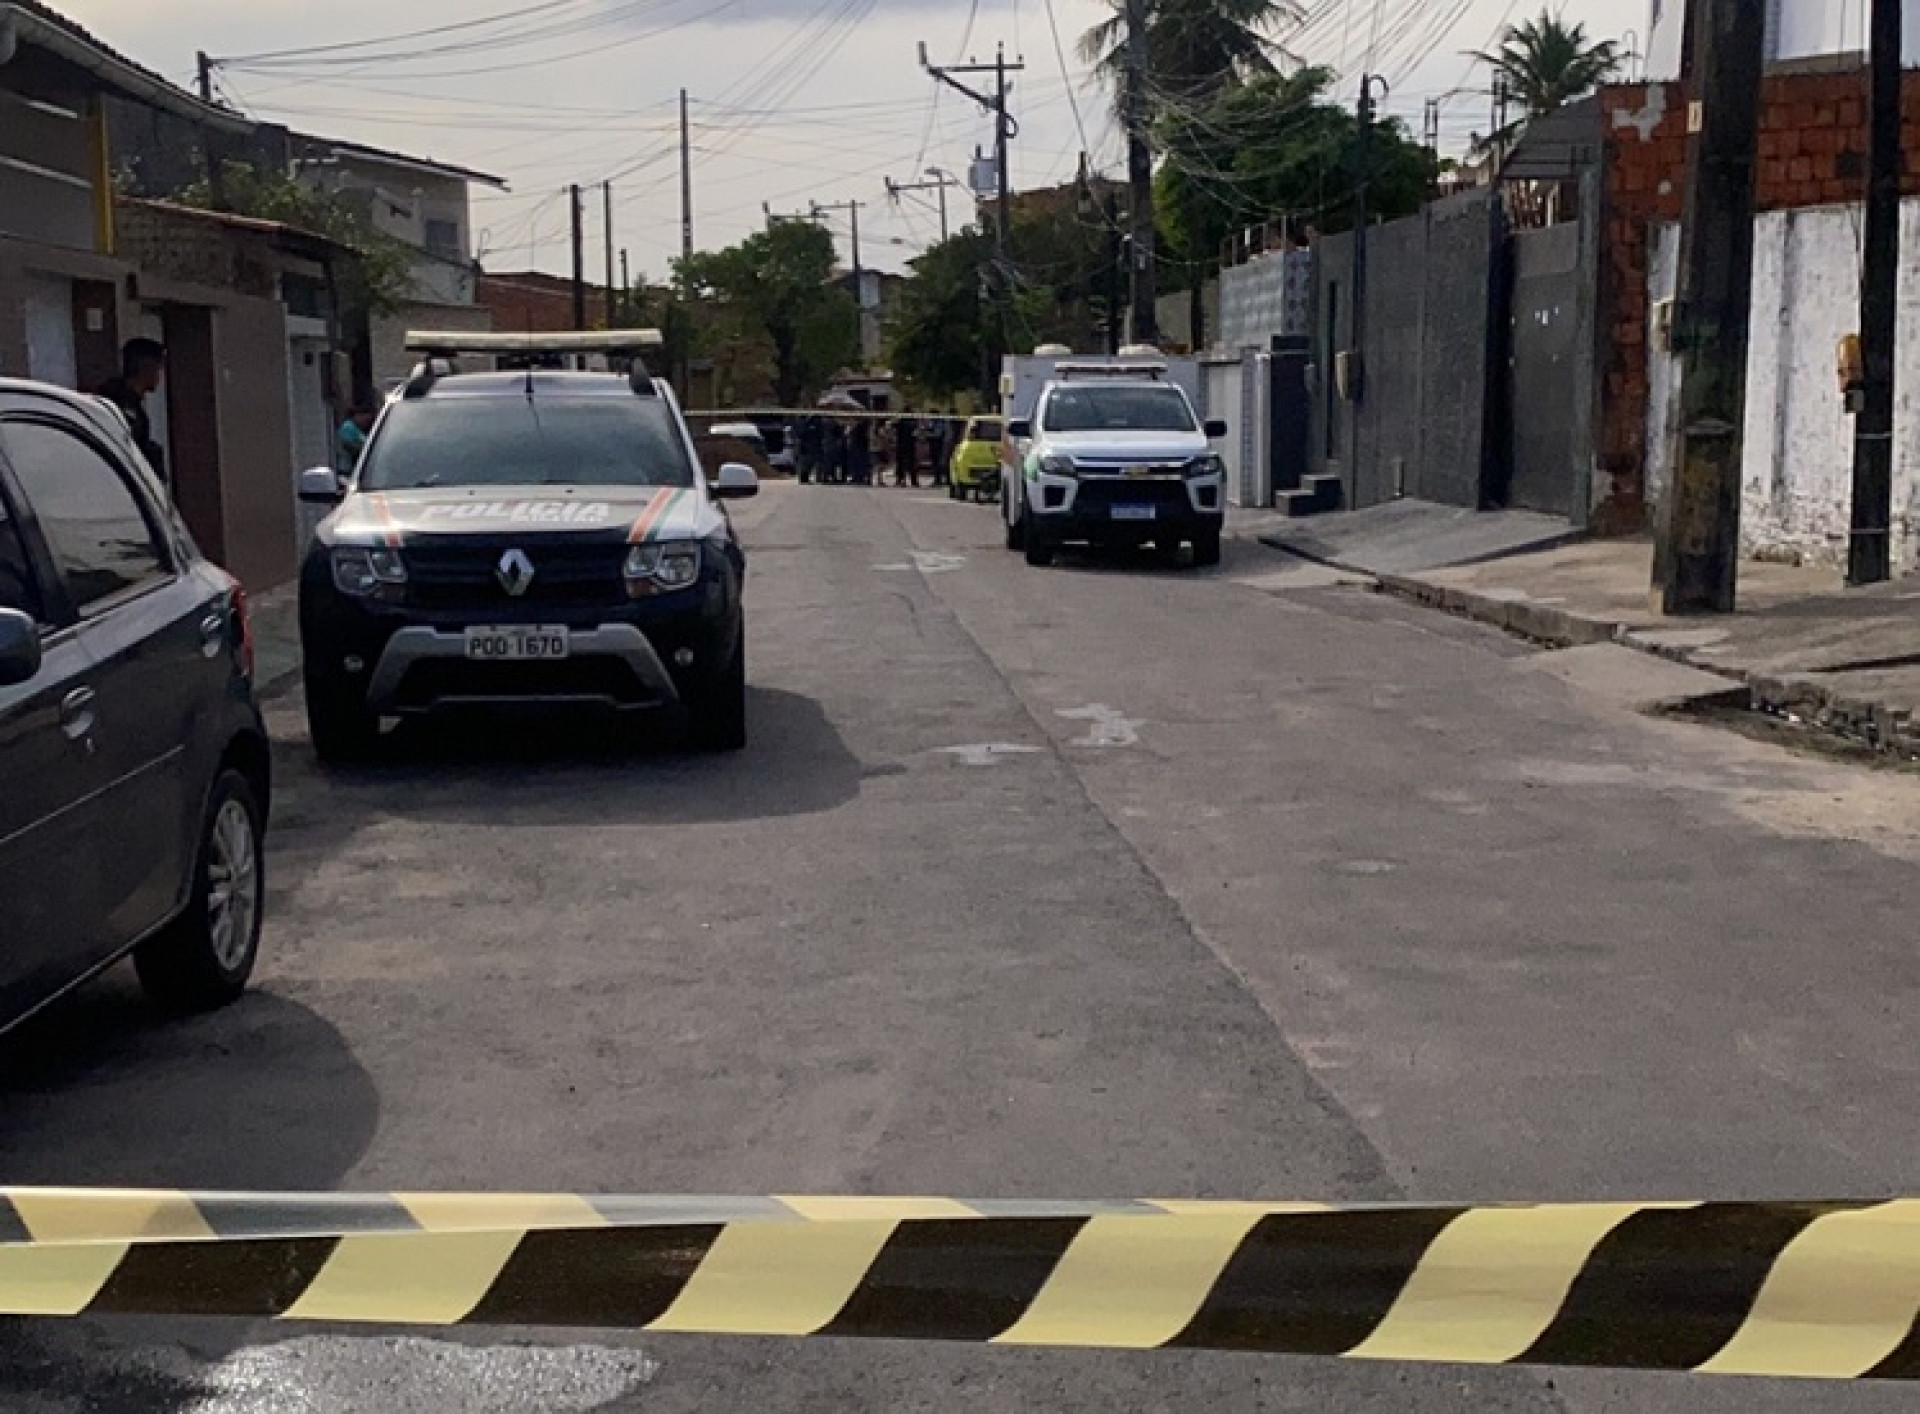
point(351, 440)
point(143, 366)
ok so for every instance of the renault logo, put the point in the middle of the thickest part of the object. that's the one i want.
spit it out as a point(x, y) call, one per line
point(515, 572)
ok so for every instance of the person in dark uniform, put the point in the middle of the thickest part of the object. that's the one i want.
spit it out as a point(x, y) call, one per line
point(860, 452)
point(813, 443)
point(943, 451)
point(906, 453)
point(833, 469)
point(143, 364)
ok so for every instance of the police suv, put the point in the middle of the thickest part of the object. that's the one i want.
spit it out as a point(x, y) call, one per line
point(1114, 455)
point(530, 535)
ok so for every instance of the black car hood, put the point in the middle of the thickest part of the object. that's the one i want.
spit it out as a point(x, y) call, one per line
point(633, 514)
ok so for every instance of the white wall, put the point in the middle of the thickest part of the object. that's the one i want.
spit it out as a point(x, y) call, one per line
point(1797, 475)
point(1800, 29)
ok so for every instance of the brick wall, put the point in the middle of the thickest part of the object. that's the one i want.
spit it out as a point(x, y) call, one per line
point(532, 302)
point(1813, 143)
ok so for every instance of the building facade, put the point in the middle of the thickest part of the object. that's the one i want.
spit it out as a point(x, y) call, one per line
point(1799, 32)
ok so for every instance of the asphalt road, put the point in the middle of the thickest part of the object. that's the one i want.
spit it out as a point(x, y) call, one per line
point(1099, 881)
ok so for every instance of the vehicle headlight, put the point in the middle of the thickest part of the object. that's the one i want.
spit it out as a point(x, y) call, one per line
point(1209, 465)
point(1058, 464)
point(662, 567)
point(366, 572)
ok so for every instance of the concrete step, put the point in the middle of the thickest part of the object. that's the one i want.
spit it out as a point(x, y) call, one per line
point(1318, 495)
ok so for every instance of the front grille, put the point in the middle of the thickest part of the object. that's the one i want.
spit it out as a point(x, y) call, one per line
point(1100, 494)
point(462, 574)
point(434, 681)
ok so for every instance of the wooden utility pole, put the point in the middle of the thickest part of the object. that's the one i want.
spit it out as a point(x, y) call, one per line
point(1697, 564)
point(579, 259)
point(1145, 272)
point(1870, 548)
point(1357, 317)
point(686, 181)
point(613, 309)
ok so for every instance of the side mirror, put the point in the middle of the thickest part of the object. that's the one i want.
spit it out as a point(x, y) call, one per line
point(736, 482)
point(1020, 429)
point(320, 486)
point(19, 648)
point(1216, 429)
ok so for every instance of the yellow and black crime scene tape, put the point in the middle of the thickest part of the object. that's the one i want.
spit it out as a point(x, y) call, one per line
point(1816, 1290)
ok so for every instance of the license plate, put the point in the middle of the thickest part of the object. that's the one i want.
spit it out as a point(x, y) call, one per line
point(534, 643)
point(1133, 512)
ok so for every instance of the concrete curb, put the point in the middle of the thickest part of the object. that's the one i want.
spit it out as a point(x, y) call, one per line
point(1802, 697)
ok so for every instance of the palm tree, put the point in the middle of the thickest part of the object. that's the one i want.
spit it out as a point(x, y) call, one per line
point(1195, 49)
point(1547, 63)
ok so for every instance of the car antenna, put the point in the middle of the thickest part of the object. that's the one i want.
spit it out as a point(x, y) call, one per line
point(529, 356)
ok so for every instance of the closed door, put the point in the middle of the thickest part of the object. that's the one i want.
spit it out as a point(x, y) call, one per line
point(52, 920)
point(146, 632)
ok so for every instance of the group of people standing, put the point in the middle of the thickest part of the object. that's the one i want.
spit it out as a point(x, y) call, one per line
point(858, 450)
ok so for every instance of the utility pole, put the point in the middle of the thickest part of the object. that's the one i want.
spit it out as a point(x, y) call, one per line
point(817, 210)
point(1363, 165)
point(626, 283)
point(203, 65)
point(1870, 548)
point(941, 181)
point(1005, 129)
point(686, 181)
point(579, 260)
point(613, 310)
point(1145, 285)
point(1116, 253)
point(1698, 559)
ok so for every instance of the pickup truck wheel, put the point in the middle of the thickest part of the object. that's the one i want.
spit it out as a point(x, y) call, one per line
point(719, 710)
point(204, 957)
point(1206, 549)
point(1016, 531)
point(344, 730)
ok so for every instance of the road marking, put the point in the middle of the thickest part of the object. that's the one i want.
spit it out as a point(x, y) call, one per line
point(926, 562)
point(1106, 727)
point(987, 753)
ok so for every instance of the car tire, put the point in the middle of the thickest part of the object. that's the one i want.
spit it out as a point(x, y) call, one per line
point(1038, 547)
point(344, 730)
point(1016, 532)
point(718, 711)
point(203, 959)
point(956, 492)
point(1206, 549)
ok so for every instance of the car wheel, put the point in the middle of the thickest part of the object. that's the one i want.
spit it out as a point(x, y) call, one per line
point(719, 710)
point(203, 958)
point(955, 492)
point(1206, 549)
point(1016, 530)
point(1039, 548)
point(344, 730)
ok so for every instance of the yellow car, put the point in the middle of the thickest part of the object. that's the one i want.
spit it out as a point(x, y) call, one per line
point(975, 469)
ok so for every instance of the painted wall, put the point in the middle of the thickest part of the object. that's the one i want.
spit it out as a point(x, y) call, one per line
point(1797, 30)
point(1797, 471)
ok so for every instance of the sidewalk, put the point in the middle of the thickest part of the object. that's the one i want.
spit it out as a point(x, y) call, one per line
point(1844, 660)
point(276, 639)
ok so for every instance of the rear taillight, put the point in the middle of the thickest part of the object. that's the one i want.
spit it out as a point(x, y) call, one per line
point(243, 622)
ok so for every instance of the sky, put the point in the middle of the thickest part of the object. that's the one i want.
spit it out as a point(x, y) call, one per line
point(792, 101)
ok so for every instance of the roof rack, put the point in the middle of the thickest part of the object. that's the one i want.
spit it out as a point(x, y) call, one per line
point(439, 348)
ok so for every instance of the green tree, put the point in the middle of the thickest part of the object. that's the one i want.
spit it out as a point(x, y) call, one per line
point(1196, 50)
point(1282, 147)
point(375, 281)
point(1546, 63)
point(777, 283)
point(939, 326)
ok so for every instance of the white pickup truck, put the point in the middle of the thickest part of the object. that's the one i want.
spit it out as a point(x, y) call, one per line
point(1114, 455)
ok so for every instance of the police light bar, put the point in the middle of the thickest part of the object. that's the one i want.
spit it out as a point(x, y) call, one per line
point(449, 342)
point(1137, 368)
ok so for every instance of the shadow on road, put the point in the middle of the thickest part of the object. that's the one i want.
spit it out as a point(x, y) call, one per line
point(550, 770)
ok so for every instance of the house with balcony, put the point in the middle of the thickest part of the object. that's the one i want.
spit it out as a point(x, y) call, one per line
point(425, 205)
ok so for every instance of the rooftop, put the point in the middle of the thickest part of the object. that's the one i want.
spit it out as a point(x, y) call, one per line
point(32, 23)
point(399, 160)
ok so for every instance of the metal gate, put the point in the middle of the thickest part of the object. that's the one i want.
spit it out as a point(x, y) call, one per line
point(1550, 412)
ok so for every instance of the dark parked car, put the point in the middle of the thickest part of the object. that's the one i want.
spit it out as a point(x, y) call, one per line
point(134, 773)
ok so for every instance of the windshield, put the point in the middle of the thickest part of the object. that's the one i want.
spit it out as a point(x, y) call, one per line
point(1118, 409)
point(519, 441)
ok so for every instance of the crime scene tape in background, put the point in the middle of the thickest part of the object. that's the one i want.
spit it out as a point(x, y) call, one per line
point(1814, 1290)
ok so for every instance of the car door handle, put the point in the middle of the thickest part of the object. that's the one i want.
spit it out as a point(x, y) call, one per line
point(77, 716)
point(213, 635)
